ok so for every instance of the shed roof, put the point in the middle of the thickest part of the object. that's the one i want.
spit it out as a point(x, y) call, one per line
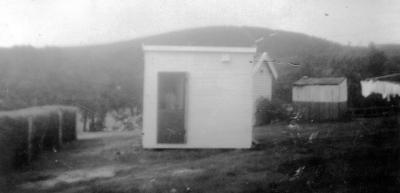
point(319, 81)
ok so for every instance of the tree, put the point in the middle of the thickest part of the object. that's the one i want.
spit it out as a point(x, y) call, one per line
point(392, 65)
point(376, 61)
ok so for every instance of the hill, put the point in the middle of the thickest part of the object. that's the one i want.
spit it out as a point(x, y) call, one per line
point(109, 76)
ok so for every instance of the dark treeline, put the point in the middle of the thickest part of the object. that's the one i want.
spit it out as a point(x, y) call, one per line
point(110, 76)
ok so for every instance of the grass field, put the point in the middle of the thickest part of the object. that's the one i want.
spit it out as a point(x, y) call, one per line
point(359, 156)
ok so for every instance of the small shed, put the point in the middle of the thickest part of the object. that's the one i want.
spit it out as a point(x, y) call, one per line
point(202, 97)
point(320, 99)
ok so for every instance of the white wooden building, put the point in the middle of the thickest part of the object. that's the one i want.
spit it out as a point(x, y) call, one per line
point(202, 97)
point(320, 98)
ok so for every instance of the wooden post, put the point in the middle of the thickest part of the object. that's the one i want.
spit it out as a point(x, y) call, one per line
point(30, 138)
point(75, 136)
point(84, 120)
point(92, 123)
point(60, 129)
point(397, 113)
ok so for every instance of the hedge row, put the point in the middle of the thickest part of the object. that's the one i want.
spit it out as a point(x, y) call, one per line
point(26, 132)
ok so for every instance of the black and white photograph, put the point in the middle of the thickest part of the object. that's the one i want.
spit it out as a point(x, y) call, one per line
point(199, 96)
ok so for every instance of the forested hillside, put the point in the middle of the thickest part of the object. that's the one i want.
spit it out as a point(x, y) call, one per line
point(109, 76)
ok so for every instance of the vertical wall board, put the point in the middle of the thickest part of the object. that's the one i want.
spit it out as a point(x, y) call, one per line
point(40, 127)
point(60, 128)
point(51, 137)
point(30, 138)
point(18, 135)
point(69, 125)
point(7, 147)
point(321, 111)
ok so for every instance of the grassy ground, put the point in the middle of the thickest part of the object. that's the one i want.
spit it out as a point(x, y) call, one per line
point(360, 156)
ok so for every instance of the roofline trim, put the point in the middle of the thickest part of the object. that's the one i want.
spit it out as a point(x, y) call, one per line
point(273, 69)
point(313, 84)
point(164, 48)
point(318, 84)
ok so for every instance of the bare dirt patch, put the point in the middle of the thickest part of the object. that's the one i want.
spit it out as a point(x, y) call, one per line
point(73, 176)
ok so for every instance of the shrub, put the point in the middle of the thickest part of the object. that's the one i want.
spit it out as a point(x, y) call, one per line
point(25, 133)
point(267, 111)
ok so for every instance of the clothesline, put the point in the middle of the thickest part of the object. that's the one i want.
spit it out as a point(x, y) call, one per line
point(387, 89)
point(384, 76)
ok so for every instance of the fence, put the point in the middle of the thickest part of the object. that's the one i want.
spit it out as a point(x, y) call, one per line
point(373, 112)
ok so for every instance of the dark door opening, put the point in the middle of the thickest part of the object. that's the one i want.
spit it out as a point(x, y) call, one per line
point(171, 107)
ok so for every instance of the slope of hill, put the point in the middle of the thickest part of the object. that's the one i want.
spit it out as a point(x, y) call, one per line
point(390, 49)
point(110, 75)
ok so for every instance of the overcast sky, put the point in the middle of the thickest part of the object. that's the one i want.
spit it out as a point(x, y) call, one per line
point(81, 22)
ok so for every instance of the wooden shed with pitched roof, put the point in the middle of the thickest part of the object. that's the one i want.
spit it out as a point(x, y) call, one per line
point(320, 99)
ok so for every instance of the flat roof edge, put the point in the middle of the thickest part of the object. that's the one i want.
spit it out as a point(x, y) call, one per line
point(310, 81)
point(199, 49)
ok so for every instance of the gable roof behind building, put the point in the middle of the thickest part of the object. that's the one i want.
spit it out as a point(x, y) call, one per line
point(306, 81)
point(265, 60)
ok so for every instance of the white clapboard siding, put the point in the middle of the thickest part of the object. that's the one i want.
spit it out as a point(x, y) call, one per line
point(219, 92)
point(320, 93)
point(262, 84)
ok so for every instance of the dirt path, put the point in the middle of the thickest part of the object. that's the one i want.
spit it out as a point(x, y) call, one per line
point(91, 157)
